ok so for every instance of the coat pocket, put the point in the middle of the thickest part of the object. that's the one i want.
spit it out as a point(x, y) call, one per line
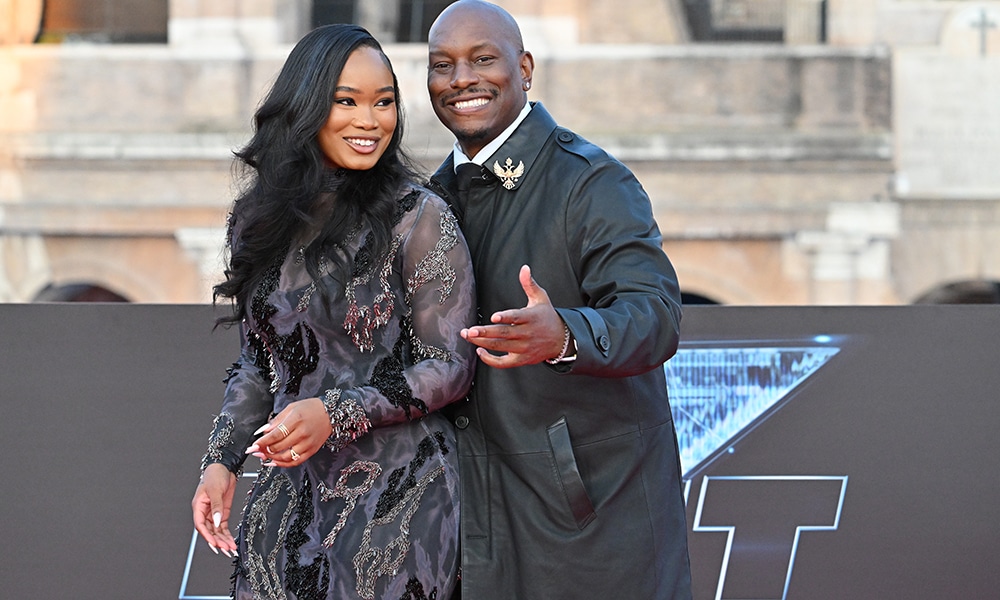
point(569, 475)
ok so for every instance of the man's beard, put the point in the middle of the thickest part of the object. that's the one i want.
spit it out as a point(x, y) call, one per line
point(465, 137)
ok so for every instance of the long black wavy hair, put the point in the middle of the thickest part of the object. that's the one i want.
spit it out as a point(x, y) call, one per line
point(282, 168)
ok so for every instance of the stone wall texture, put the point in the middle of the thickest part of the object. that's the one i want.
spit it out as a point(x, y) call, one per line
point(772, 168)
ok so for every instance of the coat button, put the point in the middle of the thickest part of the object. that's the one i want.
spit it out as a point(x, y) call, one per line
point(604, 342)
point(565, 137)
point(462, 422)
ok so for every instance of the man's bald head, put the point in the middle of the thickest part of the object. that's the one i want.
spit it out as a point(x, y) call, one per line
point(501, 22)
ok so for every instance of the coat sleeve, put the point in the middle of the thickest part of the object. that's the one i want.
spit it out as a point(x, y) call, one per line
point(432, 366)
point(629, 319)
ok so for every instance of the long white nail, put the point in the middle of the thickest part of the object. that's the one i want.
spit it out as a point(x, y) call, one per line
point(217, 519)
point(214, 549)
point(253, 448)
point(262, 429)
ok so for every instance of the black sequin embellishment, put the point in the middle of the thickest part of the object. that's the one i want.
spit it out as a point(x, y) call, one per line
point(397, 488)
point(363, 261)
point(259, 308)
point(388, 379)
point(292, 351)
point(260, 355)
point(299, 350)
point(415, 591)
point(309, 582)
point(239, 573)
point(405, 205)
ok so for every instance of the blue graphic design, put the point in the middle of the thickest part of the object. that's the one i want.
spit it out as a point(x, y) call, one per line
point(187, 573)
point(211, 572)
point(718, 393)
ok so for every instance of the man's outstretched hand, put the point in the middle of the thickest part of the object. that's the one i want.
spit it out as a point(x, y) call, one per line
point(520, 336)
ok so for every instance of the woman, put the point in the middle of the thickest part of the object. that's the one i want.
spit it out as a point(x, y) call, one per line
point(351, 284)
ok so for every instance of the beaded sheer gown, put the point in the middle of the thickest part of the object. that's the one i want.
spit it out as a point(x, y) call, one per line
point(374, 513)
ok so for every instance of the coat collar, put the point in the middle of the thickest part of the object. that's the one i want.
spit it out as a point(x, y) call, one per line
point(511, 163)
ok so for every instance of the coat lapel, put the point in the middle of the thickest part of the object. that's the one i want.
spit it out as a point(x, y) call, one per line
point(512, 162)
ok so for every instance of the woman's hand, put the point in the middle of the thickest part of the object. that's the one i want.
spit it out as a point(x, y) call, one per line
point(211, 507)
point(294, 434)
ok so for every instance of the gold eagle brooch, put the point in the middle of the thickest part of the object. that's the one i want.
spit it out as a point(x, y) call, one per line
point(510, 174)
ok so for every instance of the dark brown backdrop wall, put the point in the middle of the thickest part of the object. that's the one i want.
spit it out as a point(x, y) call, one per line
point(873, 474)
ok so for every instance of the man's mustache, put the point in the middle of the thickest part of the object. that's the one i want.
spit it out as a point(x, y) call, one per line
point(468, 92)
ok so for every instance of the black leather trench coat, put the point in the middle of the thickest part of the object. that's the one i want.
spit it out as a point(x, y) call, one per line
point(570, 475)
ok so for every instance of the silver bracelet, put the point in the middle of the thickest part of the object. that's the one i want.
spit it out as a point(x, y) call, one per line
point(562, 353)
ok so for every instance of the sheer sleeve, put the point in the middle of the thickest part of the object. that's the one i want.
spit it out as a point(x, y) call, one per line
point(432, 365)
point(247, 404)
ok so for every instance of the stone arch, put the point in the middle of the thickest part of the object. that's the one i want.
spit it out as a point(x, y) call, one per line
point(99, 272)
point(701, 284)
point(78, 292)
point(24, 267)
point(972, 291)
point(971, 31)
point(742, 272)
point(693, 298)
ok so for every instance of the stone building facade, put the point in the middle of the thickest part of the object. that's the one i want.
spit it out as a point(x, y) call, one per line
point(833, 167)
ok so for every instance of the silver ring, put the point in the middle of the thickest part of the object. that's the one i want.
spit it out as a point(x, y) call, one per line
point(283, 429)
point(295, 455)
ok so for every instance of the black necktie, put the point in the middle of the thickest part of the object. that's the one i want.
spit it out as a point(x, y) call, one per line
point(465, 173)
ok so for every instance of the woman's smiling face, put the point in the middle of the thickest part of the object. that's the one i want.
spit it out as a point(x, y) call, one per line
point(363, 115)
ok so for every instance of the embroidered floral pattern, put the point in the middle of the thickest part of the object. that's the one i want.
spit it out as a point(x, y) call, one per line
point(371, 563)
point(350, 495)
point(401, 497)
point(311, 289)
point(435, 264)
point(348, 419)
point(361, 321)
point(262, 570)
point(221, 437)
point(309, 581)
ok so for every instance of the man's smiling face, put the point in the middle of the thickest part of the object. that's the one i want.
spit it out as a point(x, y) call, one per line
point(476, 74)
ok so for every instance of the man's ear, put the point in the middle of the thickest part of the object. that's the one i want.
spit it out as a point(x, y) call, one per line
point(527, 65)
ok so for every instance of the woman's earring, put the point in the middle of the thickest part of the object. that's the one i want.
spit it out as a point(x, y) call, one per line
point(527, 85)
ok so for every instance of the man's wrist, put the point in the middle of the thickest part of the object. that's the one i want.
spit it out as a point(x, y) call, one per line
point(569, 349)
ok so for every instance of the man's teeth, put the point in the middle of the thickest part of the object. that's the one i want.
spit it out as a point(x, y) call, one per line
point(471, 103)
point(360, 142)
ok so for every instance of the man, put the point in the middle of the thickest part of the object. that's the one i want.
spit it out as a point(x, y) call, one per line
point(568, 456)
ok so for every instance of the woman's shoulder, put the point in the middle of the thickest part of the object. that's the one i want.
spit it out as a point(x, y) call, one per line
point(421, 209)
point(415, 198)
